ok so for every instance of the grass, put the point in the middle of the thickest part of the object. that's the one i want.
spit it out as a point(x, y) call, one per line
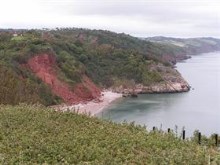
point(38, 135)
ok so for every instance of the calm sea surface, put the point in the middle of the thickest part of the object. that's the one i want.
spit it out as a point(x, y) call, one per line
point(198, 109)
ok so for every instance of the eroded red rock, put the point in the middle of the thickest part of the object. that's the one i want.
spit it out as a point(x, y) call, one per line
point(44, 67)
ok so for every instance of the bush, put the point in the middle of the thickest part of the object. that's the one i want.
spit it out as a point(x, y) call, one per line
point(38, 135)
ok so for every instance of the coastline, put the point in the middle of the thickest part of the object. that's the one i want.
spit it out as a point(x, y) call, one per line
point(92, 107)
point(96, 106)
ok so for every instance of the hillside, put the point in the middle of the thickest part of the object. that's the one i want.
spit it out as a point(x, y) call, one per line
point(189, 46)
point(74, 65)
point(36, 135)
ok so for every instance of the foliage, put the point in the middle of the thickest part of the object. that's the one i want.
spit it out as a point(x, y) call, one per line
point(15, 90)
point(38, 135)
point(107, 58)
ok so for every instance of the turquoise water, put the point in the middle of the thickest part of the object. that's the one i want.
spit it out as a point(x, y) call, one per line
point(198, 109)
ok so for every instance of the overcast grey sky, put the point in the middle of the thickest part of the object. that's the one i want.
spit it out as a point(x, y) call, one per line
point(142, 18)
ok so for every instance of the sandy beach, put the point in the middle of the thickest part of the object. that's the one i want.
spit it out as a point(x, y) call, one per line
point(93, 107)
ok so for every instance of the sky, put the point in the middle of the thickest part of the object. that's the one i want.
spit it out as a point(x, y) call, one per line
point(140, 18)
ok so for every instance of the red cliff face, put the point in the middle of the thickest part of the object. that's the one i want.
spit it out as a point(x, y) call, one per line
point(44, 67)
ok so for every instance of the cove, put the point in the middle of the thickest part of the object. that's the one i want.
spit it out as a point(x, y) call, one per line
point(198, 109)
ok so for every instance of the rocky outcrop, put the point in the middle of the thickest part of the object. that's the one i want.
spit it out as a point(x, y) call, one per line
point(44, 67)
point(165, 87)
point(172, 82)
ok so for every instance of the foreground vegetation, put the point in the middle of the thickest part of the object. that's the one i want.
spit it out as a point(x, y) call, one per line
point(37, 135)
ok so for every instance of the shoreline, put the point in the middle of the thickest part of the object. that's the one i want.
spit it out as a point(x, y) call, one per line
point(92, 107)
point(96, 106)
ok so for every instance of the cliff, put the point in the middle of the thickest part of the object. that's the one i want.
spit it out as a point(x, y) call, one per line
point(44, 67)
